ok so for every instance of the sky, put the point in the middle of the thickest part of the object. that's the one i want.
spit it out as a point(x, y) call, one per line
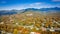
point(23, 4)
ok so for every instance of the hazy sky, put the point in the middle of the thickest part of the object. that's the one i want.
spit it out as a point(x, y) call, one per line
point(22, 4)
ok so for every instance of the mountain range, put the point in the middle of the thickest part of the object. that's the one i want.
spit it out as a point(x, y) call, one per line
point(41, 10)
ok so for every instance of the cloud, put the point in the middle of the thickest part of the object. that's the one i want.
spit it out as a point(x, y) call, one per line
point(31, 5)
point(35, 4)
point(42, 5)
point(56, 0)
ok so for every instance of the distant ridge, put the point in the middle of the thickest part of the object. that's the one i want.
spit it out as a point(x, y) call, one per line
point(47, 10)
point(43, 9)
point(4, 12)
